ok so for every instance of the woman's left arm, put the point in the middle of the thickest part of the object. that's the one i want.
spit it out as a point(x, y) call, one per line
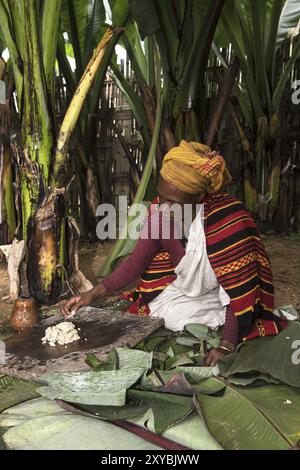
point(229, 339)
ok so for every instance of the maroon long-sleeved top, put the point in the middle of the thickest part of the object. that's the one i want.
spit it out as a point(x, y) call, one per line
point(146, 248)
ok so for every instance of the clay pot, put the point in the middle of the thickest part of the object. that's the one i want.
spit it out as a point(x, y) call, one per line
point(25, 314)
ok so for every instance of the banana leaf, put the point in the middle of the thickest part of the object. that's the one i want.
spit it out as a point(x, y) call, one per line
point(2, 445)
point(174, 349)
point(13, 391)
point(132, 358)
point(178, 360)
point(203, 333)
point(265, 359)
point(167, 409)
point(82, 21)
point(105, 385)
point(145, 15)
point(269, 355)
point(56, 429)
point(161, 410)
point(34, 408)
point(252, 379)
point(192, 433)
point(89, 387)
point(180, 383)
point(260, 418)
point(121, 358)
point(153, 342)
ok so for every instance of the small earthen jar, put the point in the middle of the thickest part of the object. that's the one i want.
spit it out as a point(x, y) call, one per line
point(25, 314)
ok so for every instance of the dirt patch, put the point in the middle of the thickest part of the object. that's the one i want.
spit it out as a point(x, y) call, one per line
point(284, 253)
point(285, 258)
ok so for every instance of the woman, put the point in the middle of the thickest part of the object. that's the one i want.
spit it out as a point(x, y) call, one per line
point(220, 277)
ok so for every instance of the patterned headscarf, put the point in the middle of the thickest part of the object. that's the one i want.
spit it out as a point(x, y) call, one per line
point(194, 168)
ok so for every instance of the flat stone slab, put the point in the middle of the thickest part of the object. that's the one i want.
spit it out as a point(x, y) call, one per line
point(100, 330)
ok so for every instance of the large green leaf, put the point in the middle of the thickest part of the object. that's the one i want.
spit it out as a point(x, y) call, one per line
point(86, 432)
point(203, 333)
point(192, 433)
point(289, 19)
point(270, 355)
point(50, 427)
point(145, 14)
point(157, 411)
point(131, 96)
point(253, 28)
point(168, 37)
point(89, 387)
point(2, 445)
point(94, 28)
point(260, 418)
point(183, 381)
point(197, 59)
point(165, 409)
point(272, 36)
point(33, 408)
point(189, 20)
point(259, 13)
point(233, 25)
point(133, 358)
point(84, 21)
point(74, 21)
point(49, 34)
point(102, 386)
point(281, 404)
point(132, 42)
point(13, 391)
point(119, 9)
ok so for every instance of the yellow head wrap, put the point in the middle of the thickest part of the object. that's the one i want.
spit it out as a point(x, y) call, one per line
point(194, 168)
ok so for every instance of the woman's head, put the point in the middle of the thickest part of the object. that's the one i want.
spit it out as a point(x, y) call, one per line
point(194, 169)
point(171, 195)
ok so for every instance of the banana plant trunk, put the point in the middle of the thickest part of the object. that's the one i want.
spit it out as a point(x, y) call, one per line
point(46, 247)
point(7, 201)
point(35, 152)
point(30, 30)
point(47, 230)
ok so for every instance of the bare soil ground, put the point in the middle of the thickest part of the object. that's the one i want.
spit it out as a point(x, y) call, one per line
point(284, 253)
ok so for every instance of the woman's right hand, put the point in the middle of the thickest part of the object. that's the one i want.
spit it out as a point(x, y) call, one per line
point(75, 303)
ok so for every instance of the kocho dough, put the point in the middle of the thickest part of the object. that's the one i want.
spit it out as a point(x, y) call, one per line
point(63, 333)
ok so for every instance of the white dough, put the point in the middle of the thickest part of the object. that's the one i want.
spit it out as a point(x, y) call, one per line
point(63, 333)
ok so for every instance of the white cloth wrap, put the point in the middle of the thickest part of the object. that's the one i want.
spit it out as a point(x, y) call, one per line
point(195, 296)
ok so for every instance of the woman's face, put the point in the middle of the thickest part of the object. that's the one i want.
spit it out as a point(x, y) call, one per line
point(168, 194)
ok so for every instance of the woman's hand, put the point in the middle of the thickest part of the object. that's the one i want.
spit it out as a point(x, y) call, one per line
point(75, 303)
point(214, 355)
